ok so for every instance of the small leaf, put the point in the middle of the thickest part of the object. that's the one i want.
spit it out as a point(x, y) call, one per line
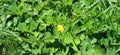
point(113, 0)
point(36, 34)
point(45, 50)
point(75, 47)
point(35, 51)
point(14, 34)
point(99, 50)
point(68, 38)
point(27, 20)
point(111, 51)
point(82, 37)
point(9, 24)
point(42, 27)
point(90, 52)
point(22, 27)
point(39, 6)
point(15, 20)
point(94, 41)
point(53, 50)
point(32, 25)
point(77, 40)
point(49, 37)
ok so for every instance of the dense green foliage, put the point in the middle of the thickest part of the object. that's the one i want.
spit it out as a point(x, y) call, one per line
point(29, 27)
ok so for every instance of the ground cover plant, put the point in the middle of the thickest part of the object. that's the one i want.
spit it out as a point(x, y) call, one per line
point(59, 27)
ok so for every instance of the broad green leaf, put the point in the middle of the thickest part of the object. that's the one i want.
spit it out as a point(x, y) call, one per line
point(113, 0)
point(99, 50)
point(41, 45)
point(60, 52)
point(22, 27)
point(90, 52)
point(13, 9)
point(68, 2)
point(28, 20)
point(105, 42)
point(75, 47)
point(111, 51)
point(14, 34)
point(77, 40)
point(85, 44)
point(40, 35)
point(9, 23)
point(76, 30)
point(56, 32)
point(30, 40)
point(36, 34)
point(67, 38)
point(53, 50)
point(49, 20)
point(78, 53)
point(15, 20)
point(61, 19)
point(94, 40)
point(32, 25)
point(40, 5)
point(35, 51)
point(49, 37)
point(42, 27)
point(45, 50)
point(83, 28)
point(82, 37)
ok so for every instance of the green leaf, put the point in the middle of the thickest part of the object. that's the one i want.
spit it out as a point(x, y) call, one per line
point(53, 50)
point(42, 27)
point(32, 25)
point(113, 0)
point(28, 20)
point(76, 30)
point(75, 47)
point(61, 19)
point(78, 53)
point(39, 6)
point(105, 42)
point(60, 52)
point(36, 34)
point(111, 51)
point(35, 51)
point(14, 34)
point(56, 33)
point(9, 23)
point(14, 10)
point(22, 27)
point(15, 20)
point(90, 52)
point(49, 20)
point(49, 37)
point(82, 37)
point(68, 2)
point(77, 40)
point(68, 38)
point(45, 50)
point(99, 50)
point(94, 40)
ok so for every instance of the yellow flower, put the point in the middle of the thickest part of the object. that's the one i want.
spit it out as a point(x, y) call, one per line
point(60, 28)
